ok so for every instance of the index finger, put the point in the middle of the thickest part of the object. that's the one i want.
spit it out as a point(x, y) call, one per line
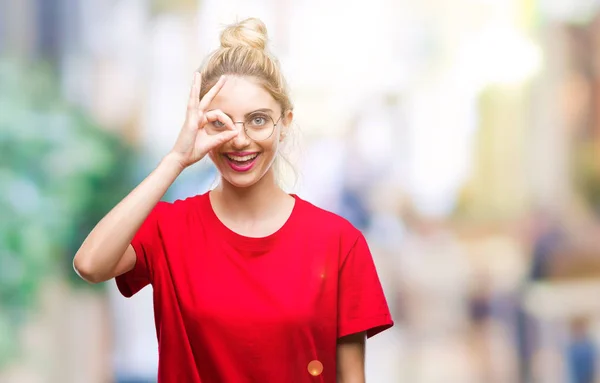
point(210, 95)
point(195, 90)
point(218, 115)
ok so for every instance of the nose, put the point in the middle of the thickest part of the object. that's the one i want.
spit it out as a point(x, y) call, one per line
point(241, 140)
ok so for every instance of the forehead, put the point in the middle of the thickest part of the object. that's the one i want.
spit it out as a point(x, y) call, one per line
point(241, 95)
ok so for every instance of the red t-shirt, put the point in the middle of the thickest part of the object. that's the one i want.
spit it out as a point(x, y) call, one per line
point(235, 309)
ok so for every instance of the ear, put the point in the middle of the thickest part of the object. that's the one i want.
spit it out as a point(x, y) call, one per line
point(287, 119)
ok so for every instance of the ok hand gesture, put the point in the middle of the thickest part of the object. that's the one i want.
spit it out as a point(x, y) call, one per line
point(193, 143)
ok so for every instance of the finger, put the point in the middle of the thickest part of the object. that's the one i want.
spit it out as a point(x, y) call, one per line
point(221, 138)
point(194, 98)
point(210, 95)
point(211, 142)
point(218, 115)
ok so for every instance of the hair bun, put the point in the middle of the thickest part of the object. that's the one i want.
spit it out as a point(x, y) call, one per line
point(251, 32)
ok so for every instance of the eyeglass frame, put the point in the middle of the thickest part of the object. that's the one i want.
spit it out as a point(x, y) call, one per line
point(272, 130)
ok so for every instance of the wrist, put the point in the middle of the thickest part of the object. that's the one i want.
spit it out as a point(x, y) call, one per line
point(173, 162)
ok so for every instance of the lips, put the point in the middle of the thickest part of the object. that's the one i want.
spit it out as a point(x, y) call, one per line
point(241, 162)
point(242, 158)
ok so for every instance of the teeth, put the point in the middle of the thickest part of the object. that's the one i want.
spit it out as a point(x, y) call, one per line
point(243, 158)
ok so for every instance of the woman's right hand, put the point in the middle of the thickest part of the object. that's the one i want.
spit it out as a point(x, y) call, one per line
point(193, 143)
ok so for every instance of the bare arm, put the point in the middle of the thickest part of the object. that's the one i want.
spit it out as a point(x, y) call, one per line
point(351, 359)
point(107, 251)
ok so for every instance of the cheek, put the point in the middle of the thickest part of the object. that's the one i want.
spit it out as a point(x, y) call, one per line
point(270, 148)
point(211, 155)
point(273, 144)
point(214, 156)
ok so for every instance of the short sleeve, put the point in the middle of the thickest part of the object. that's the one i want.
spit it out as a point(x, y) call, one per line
point(362, 305)
point(147, 245)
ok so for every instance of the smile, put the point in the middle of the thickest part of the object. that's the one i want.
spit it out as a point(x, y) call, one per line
point(241, 163)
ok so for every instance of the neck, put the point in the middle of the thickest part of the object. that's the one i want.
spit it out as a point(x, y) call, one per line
point(251, 202)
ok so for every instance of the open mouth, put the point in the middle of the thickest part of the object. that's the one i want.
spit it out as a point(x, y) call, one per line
point(241, 163)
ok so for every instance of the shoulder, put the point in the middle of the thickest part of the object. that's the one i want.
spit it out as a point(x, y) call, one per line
point(321, 222)
point(180, 208)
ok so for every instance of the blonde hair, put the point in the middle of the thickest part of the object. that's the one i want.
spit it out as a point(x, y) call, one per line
point(244, 52)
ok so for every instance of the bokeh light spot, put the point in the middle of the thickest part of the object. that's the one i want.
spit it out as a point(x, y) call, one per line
point(315, 368)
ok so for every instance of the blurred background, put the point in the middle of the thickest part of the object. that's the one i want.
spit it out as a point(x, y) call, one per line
point(461, 136)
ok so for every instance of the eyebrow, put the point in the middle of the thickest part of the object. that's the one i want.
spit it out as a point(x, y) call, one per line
point(264, 110)
point(261, 110)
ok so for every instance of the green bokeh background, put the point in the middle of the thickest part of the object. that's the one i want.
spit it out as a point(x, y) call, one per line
point(59, 175)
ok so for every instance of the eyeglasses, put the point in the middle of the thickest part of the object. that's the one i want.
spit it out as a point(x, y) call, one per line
point(258, 126)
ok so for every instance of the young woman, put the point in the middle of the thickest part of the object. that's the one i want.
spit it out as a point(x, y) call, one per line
point(251, 284)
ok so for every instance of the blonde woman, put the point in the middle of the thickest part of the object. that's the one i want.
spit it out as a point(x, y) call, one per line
point(251, 284)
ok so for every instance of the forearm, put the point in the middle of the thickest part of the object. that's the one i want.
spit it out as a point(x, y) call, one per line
point(102, 250)
point(357, 375)
point(351, 379)
point(351, 359)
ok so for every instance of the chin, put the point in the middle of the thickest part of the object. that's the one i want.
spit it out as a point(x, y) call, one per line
point(241, 181)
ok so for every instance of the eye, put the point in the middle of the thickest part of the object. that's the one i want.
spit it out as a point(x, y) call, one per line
point(218, 124)
point(258, 120)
